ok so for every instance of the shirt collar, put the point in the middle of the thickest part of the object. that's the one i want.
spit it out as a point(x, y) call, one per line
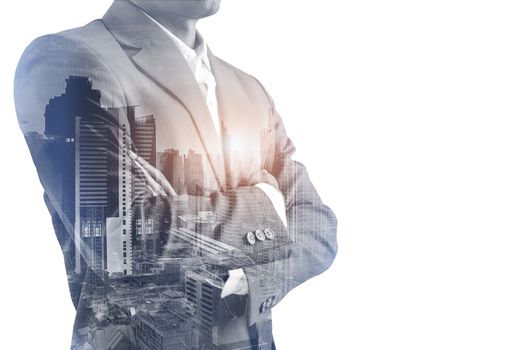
point(192, 56)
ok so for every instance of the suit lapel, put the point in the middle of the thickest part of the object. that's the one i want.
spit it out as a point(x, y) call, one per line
point(239, 117)
point(171, 72)
point(157, 57)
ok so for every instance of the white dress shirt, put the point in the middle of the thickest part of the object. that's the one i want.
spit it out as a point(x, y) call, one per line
point(199, 63)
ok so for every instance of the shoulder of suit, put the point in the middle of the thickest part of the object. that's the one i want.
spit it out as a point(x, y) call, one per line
point(49, 60)
point(93, 37)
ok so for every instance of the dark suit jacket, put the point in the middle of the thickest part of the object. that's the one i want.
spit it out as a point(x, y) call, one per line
point(145, 271)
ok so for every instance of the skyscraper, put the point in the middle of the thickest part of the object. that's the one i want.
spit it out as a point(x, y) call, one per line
point(119, 227)
point(143, 136)
point(194, 173)
point(172, 166)
point(91, 189)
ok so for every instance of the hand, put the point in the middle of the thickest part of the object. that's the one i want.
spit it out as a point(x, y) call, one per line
point(262, 176)
point(237, 283)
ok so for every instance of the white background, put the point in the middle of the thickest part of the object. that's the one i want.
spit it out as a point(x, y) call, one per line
point(409, 115)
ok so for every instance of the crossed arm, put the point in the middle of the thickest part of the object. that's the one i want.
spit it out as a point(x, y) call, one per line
point(311, 224)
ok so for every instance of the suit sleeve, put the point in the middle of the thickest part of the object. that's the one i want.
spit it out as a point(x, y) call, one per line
point(47, 114)
point(311, 224)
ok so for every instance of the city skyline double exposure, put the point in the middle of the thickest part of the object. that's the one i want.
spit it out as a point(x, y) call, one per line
point(144, 259)
point(169, 178)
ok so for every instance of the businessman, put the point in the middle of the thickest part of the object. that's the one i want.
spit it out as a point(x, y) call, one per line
point(158, 161)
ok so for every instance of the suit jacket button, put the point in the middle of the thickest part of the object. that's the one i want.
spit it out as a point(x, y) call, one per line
point(269, 233)
point(260, 235)
point(250, 237)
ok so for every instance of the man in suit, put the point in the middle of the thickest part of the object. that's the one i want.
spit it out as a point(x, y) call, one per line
point(157, 158)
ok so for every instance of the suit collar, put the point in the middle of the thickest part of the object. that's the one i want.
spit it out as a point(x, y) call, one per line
point(156, 56)
point(199, 52)
point(131, 27)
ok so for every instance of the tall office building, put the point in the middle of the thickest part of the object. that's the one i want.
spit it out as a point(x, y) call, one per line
point(143, 136)
point(119, 240)
point(194, 173)
point(172, 166)
point(204, 296)
point(91, 190)
point(145, 226)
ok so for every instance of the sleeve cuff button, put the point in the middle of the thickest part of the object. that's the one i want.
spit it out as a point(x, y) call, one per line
point(250, 237)
point(260, 235)
point(269, 233)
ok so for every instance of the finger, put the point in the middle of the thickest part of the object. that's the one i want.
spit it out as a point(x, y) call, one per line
point(156, 174)
point(165, 183)
point(262, 176)
point(152, 184)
